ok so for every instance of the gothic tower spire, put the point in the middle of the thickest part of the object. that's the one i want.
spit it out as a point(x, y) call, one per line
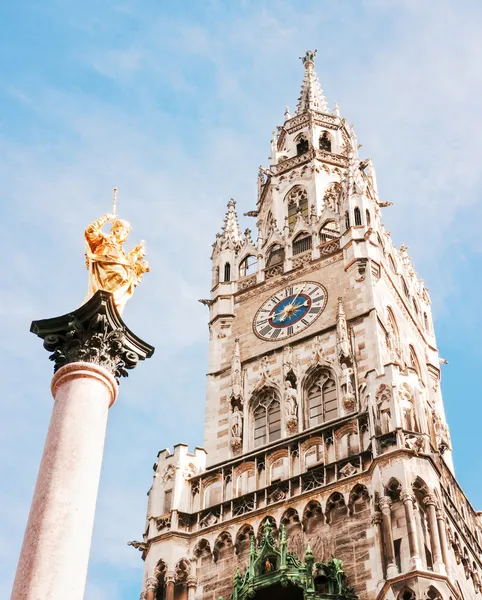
point(311, 97)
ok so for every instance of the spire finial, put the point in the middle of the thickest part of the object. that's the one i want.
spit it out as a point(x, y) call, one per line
point(311, 97)
point(309, 58)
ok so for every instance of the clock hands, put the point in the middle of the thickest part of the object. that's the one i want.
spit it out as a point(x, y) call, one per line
point(291, 308)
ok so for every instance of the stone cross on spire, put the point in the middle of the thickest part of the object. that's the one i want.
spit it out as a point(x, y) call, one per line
point(312, 97)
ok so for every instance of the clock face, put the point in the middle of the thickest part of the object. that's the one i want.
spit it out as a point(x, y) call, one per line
point(290, 310)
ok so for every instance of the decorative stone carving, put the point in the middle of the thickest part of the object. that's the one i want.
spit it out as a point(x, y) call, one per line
point(152, 584)
point(347, 470)
point(348, 397)
point(415, 443)
point(383, 399)
point(236, 374)
point(287, 360)
point(342, 341)
point(290, 400)
point(442, 432)
point(208, 520)
point(163, 523)
point(93, 333)
point(236, 430)
point(141, 546)
point(168, 473)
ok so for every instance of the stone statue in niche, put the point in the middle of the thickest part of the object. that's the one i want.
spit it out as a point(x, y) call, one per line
point(290, 398)
point(442, 433)
point(236, 429)
point(236, 373)
point(383, 399)
point(347, 386)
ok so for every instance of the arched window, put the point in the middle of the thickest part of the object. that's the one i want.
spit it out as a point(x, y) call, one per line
point(302, 145)
point(322, 400)
point(227, 272)
point(391, 262)
point(368, 217)
point(276, 256)
point(415, 307)
point(279, 470)
point(325, 142)
point(248, 266)
point(329, 231)
point(314, 455)
point(425, 322)
point(347, 220)
point(357, 215)
point(267, 420)
point(297, 200)
point(405, 288)
point(302, 243)
point(414, 361)
point(246, 482)
point(213, 494)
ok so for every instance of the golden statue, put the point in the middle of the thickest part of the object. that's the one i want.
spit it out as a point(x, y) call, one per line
point(110, 268)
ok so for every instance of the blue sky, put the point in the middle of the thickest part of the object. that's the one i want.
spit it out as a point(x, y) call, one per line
point(174, 104)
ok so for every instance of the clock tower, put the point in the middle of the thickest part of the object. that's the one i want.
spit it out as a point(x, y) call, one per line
point(326, 470)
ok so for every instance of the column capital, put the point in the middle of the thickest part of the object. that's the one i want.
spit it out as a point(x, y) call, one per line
point(430, 500)
point(191, 582)
point(440, 514)
point(152, 584)
point(407, 497)
point(377, 518)
point(385, 503)
point(170, 577)
point(93, 333)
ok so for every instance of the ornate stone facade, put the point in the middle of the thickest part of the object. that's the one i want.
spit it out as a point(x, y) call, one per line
point(331, 429)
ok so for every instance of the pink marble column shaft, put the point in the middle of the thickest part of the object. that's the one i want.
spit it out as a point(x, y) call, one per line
point(55, 551)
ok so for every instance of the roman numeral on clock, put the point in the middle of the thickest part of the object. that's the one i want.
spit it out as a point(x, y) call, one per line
point(305, 322)
point(314, 310)
point(276, 334)
point(267, 330)
point(318, 299)
point(290, 330)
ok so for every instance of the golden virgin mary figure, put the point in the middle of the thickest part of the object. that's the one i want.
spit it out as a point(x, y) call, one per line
point(110, 268)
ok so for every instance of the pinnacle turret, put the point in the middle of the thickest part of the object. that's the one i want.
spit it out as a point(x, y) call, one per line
point(231, 235)
point(311, 97)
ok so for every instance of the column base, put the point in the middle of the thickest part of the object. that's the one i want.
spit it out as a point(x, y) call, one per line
point(415, 564)
point(392, 571)
point(439, 567)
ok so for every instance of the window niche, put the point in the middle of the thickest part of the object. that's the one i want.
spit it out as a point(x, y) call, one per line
point(322, 399)
point(325, 142)
point(276, 256)
point(248, 266)
point(297, 200)
point(302, 145)
point(267, 419)
point(227, 272)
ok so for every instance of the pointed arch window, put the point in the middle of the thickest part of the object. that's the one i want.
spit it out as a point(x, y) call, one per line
point(297, 200)
point(368, 217)
point(322, 400)
point(405, 288)
point(392, 265)
point(414, 361)
point(302, 145)
point(357, 215)
point(267, 420)
point(425, 322)
point(325, 142)
point(302, 243)
point(227, 272)
point(248, 266)
point(329, 231)
point(276, 256)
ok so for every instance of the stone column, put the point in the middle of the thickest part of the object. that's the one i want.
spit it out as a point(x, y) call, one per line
point(438, 564)
point(152, 584)
point(91, 348)
point(442, 532)
point(170, 582)
point(377, 523)
point(191, 588)
point(385, 507)
point(415, 560)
